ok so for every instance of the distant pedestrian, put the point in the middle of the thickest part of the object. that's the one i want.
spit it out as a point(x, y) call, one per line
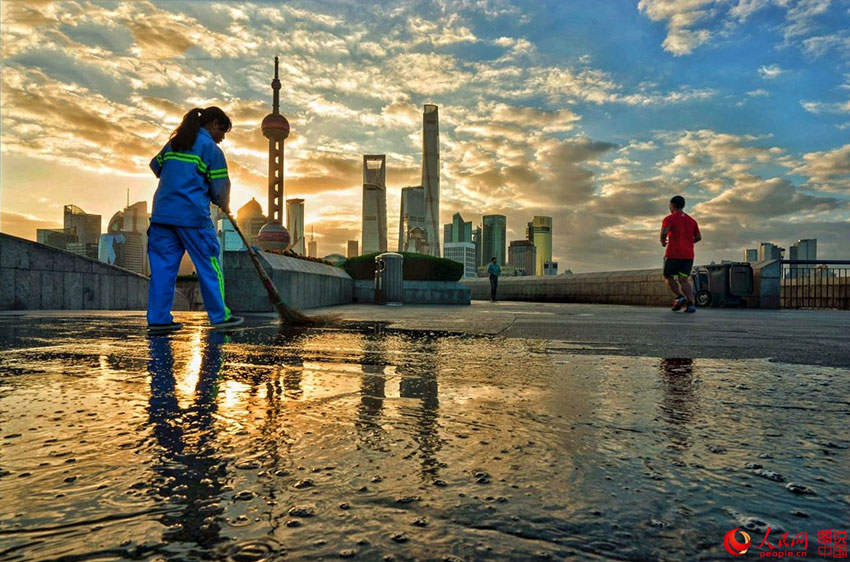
point(494, 270)
point(679, 233)
point(192, 173)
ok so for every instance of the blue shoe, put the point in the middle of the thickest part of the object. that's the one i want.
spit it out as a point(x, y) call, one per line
point(231, 322)
point(690, 308)
point(679, 303)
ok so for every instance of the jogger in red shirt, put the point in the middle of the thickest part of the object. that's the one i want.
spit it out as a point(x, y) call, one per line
point(679, 233)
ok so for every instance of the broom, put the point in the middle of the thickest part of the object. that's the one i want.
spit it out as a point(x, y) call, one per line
point(287, 315)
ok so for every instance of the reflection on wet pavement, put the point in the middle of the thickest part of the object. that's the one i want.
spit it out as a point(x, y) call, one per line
point(366, 445)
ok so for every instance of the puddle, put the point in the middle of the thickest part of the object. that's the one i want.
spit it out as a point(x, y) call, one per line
point(371, 444)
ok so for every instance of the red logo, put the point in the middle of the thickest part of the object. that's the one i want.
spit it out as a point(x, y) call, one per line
point(731, 544)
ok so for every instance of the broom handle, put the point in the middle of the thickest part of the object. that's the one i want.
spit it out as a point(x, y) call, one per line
point(274, 296)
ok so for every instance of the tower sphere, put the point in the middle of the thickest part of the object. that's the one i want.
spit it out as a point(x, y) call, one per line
point(275, 126)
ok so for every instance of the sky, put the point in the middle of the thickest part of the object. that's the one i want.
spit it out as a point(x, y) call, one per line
point(593, 113)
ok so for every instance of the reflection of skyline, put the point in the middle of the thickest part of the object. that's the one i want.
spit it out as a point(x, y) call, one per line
point(373, 382)
point(191, 474)
point(419, 380)
point(679, 403)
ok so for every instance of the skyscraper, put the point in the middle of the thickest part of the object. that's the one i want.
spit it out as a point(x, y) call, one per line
point(476, 240)
point(431, 176)
point(125, 241)
point(351, 249)
point(87, 228)
point(493, 238)
point(295, 224)
point(457, 231)
point(374, 235)
point(522, 255)
point(751, 255)
point(805, 249)
point(539, 233)
point(412, 216)
point(275, 127)
point(312, 246)
point(463, 253)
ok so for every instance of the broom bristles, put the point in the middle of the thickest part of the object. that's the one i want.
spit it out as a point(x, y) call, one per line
point(295, 318)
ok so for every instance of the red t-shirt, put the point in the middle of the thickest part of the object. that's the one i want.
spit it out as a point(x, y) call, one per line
point(680, 238)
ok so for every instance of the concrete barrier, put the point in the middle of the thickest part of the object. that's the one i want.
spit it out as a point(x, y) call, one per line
point(38, 277)
point(644, 287)
point(301, 283)
point(418, 292)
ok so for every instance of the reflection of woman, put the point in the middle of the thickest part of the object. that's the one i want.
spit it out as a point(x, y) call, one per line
point(192, 173)
point(190, 472)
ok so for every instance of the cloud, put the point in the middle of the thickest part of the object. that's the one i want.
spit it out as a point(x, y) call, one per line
point(770, 72)
point(827, 170)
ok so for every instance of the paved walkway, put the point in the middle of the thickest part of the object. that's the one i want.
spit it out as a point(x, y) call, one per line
point(807, 337)
point(814, 337)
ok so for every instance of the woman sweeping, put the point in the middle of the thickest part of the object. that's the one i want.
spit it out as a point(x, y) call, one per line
point(192, 173)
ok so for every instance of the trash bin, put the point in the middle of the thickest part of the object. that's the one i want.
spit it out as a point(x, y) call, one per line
point(702, 294)
point(728, 282)
point(389, 279)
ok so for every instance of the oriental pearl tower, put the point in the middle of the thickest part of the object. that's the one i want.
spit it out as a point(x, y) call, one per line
point(273, 235)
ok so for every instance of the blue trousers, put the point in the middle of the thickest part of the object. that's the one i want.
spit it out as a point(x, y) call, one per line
point(166, 245)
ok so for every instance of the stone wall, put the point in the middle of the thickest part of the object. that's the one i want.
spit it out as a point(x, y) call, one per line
point(418, 292)
point(38, 277)
point(641, 287)
point(301, 283)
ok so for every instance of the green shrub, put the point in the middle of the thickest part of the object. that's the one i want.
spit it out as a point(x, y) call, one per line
point(415, 267)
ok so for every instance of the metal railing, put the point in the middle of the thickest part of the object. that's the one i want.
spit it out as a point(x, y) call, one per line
point(815, 284)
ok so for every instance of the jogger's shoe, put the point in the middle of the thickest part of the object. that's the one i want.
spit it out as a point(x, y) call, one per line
point(164, 328)
point(231, 322)
point(679, 303)
point(690, 308)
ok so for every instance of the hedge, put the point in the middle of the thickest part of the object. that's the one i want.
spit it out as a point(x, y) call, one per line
point(416, 267)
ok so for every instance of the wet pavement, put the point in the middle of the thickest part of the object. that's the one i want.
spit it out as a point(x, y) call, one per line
point(376, 444)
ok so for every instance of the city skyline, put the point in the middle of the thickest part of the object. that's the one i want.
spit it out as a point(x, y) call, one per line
point(742, 107)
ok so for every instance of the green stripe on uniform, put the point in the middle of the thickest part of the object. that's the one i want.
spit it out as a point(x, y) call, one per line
point(220, 278)
point(188, 158)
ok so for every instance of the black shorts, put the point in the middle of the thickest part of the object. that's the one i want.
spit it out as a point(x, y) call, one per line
point(674, 267)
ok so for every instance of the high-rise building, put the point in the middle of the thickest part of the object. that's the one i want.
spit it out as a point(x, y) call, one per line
point(250, 219)
point(87, 228)
point(412, 216)
point(312, 246)
point(351, 250)
point(56, 237)
point(770, 251)
point(550, 268)
point(275, 127)
point(539, 233)
point(295, 224)
point(374, 234)
point(457, 230)
point(463, 253)
point(804, 249)
point(431, 176)
point(125, 242)
point(522, 256)
point(751, 255)
point(494, 236)
point(476, 239)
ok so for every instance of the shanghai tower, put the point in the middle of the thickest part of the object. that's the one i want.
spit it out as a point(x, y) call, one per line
point(431, 176)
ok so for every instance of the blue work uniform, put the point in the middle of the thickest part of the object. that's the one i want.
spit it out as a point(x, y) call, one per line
point(188, 182)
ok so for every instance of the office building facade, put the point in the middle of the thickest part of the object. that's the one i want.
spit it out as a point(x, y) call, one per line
point(374, 232)
point(295, 225)
point(463, 253)
point(522, 256)
point(539, 233)
point(431, 176)
point(493, 238)
point(351, 250)
point(411, 224)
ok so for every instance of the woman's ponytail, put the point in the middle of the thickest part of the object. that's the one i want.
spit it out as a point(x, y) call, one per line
point(183, 137)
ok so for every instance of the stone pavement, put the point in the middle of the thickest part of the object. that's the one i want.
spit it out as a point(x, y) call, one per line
point(807, 337)
point(811, 337)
